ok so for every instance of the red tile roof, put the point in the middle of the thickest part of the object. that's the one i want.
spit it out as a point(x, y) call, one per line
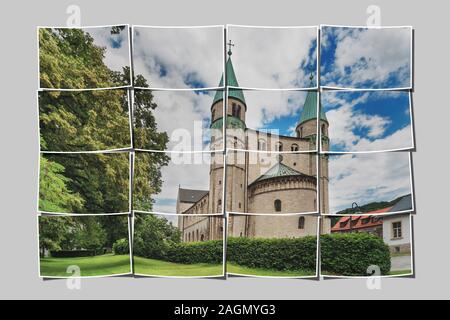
point(360, 222)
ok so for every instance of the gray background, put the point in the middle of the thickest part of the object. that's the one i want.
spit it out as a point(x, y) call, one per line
point(19, 158)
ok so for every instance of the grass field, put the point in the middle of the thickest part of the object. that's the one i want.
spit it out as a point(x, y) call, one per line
point(89, 266)
point(234, 268)
point(162, 268)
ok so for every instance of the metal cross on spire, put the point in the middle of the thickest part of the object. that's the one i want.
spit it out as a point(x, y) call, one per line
point(230, 45)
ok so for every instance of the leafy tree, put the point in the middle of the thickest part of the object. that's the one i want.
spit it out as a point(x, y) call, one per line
point(53, 231)
point(90, 234)
point(153, 236)
point(70, 59)
point(54, 192)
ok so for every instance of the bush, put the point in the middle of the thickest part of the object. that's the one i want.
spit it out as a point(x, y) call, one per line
point(72, 253)
point(121, 246)
point(278, 254)
point(352, 253)
point(196, 252)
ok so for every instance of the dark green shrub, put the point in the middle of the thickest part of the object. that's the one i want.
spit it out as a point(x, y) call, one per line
point(196, 252)
point(351, 254)
point(278, 254)
point(72, 253)
point(121, 247)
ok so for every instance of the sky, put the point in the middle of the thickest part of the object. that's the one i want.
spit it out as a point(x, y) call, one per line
point(274, 111)
point(186, 117)
point(365, 58)
point(368, 121)
point(365, 178)
point(117, 53)
point(274, 58)
point(179, 58)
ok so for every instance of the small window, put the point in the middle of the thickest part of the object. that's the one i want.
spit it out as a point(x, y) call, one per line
point(300, 132)
point(397, 230)
point(261, 145)
point(240, 205)
point(294, 147)
point(277, 205)
point(235, 142)
point(323, 129)
point(301, 223)
point(279, 146)
point(202, 238)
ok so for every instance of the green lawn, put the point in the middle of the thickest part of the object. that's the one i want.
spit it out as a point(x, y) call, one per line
point(400, 272)
point(237, 269)
point(154, 267)
point(104, 265)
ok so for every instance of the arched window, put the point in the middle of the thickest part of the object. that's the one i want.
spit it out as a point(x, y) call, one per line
point(235, 142)
point(197, 236)
point(301, 223)
point(236, 110)
point(279, 146)
point(323, 129)
point(189, 237)
point(202, 238)
point(294, 147)
point(277, 205)
point(262, 145)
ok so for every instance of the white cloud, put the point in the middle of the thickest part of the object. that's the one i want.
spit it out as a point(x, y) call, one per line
point(184, 114)
point(366, 178)
point(267, 106)
point(272, 57)
point(171, 57)
point(345, 119)
point(372, 55)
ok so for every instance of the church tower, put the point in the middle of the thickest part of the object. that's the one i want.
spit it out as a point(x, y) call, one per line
point(308, 128)
point(234, 114)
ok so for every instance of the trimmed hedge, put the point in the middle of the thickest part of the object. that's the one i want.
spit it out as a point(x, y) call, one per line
point(121, 247)
point(72, 253)
point(278, 254)
point(196, 252)
point(352, 253)
point(342, 254)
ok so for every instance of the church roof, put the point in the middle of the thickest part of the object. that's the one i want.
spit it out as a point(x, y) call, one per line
point(190, 195)
point(404, 204)
point(310, 108)
point(231, 82)
point(279, 170)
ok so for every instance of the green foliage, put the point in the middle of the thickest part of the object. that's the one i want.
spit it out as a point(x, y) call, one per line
point(121, 247)
point(154, 236)
point(75, 233)
point(196, 252)
point(277, 254)
point(54, 192)
point(352, 253)
point(84, 120)
point(70, 59)
point(101, 180)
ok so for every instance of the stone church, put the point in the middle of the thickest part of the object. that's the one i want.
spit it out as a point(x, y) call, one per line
point(280, 178)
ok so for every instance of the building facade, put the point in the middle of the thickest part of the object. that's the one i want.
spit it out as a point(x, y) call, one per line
point(281, 178)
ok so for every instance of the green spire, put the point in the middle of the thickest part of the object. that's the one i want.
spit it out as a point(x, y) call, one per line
point(310, 107)
point(231, 82)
